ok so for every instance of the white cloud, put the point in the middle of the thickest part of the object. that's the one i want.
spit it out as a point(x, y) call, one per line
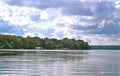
point(98, 39)
point(37, 22)
point(117, 4)
point(44, 15)
point(17, 15)
point(101, 24)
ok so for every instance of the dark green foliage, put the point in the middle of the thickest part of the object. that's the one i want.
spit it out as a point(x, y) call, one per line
point(17, 42)
point(10, 53)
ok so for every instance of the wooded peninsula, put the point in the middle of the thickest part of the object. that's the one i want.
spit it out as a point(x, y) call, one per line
point(18, 42)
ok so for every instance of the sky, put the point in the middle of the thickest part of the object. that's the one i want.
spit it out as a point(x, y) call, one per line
point(94, 21)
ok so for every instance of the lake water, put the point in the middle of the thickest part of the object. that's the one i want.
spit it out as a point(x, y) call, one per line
point(62, 63)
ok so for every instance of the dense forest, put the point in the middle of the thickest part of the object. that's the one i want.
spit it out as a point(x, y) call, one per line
point(18, 42)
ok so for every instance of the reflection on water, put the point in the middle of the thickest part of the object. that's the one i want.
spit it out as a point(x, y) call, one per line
point(62, 63)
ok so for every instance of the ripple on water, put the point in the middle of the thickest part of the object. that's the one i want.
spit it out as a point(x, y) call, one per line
point(65, 63)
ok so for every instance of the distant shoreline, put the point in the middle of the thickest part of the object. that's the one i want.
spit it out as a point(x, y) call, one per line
point(105, 47)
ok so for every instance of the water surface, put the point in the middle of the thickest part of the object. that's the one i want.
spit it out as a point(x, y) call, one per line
point(61, 63)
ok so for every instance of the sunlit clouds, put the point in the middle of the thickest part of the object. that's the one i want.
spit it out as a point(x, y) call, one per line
point(96, 21)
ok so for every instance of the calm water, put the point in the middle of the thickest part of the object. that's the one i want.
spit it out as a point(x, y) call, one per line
point(62, 63)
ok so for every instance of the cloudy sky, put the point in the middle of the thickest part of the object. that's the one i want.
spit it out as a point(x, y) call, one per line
point(95, 21)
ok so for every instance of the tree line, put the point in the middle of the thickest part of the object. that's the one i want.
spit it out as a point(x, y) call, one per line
point(18, 42)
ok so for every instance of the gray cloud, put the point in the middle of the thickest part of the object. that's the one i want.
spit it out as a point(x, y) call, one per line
point(104, 10)
point(42, 4)
point(88, 20)
point(88, 8)
point(78, 9)
point(70, 7)
point(105, 7)
point(108, 29)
